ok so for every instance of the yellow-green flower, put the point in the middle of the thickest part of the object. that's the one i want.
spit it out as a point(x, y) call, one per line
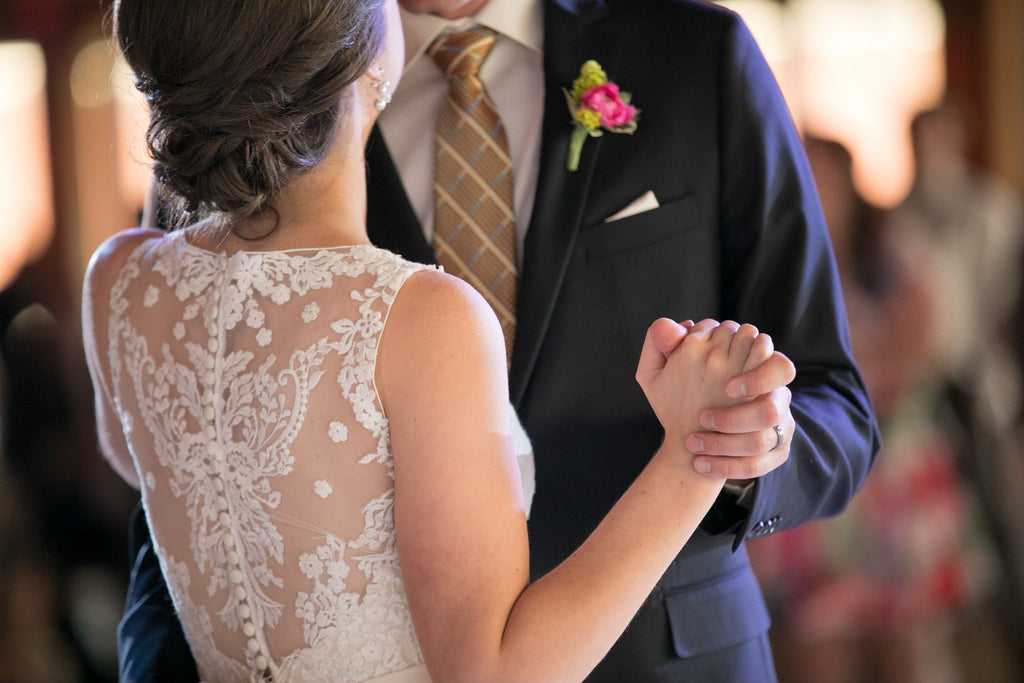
point(591, 75)
point(589, 118)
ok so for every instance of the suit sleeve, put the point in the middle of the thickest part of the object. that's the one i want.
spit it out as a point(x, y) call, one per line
point(779, 272)
point(150, 642)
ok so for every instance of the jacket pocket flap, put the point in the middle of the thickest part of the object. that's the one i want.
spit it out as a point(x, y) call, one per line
point(641, 229)
point(710, 616)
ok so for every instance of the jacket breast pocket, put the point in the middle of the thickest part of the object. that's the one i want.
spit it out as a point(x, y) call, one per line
point(710, 616)
point(642, 229)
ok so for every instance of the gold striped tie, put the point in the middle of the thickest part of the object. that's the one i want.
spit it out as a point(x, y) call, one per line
point(474, 224)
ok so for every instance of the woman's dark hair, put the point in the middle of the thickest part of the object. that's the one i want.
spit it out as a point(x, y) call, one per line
point(244, 95)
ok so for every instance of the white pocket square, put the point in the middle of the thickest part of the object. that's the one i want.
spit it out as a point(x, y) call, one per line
point(644, 202)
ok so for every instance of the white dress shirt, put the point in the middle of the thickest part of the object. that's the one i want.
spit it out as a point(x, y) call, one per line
point(514, 77)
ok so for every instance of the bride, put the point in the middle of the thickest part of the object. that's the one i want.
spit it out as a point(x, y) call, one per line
point(320, 430)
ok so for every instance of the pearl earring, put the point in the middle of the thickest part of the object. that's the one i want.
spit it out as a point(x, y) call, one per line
point(381, 85)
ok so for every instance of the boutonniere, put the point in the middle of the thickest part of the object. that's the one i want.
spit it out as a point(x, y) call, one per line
point(595, 104)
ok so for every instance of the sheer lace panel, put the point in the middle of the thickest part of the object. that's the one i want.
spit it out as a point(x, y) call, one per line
point(264, 454)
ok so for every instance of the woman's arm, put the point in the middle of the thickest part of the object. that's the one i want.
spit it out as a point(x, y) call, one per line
point(461, 530)
point(99, 278)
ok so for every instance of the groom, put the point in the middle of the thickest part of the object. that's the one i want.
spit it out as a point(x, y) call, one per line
point(722, 220)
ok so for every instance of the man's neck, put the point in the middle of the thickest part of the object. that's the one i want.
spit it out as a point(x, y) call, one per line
point(520, 20)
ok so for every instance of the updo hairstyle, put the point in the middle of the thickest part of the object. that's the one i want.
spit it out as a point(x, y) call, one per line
point(244, 95)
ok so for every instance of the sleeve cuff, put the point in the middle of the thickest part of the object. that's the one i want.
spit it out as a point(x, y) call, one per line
point(731, 509)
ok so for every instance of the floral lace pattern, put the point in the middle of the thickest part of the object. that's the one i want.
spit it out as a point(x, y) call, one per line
point(262, 421)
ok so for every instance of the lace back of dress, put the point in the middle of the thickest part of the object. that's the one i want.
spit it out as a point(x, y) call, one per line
point(265, 456)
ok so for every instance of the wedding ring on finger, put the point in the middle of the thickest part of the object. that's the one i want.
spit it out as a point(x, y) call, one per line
point(779, 436)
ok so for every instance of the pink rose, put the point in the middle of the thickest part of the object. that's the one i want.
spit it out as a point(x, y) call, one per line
point(605, 100)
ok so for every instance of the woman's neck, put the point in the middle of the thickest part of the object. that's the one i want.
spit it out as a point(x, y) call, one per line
point(324, 207)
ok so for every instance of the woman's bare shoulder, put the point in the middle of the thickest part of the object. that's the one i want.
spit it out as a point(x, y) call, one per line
point(434, 300)
point(440, 324)
point(112, 252)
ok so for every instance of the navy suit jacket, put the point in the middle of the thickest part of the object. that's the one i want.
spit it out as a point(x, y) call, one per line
point(739, 234)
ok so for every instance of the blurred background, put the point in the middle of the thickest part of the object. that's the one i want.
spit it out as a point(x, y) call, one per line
point(913, 116)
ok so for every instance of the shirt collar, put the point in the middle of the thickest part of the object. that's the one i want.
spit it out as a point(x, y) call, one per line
point(520, 20)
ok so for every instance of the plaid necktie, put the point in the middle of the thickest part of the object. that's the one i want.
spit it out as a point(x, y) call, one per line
point(474, 224)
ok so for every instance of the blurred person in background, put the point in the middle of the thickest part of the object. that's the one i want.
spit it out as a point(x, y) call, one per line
point(63, 573)
point(973, 225)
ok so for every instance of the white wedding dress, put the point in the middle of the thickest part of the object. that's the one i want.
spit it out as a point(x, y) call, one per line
point(245, 387)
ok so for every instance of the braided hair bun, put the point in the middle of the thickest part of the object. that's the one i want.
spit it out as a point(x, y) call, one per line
point(244, 95)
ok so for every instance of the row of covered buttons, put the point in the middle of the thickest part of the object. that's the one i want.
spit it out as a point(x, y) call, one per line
point(244, 612)
point(764, 527)
point(235, 573)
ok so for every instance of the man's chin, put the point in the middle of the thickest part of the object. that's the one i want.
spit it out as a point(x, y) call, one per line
point(446, 9)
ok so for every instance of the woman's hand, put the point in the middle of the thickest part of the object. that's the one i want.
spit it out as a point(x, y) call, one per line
point(684, 369)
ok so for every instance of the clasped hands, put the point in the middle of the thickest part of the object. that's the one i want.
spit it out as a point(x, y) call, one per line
point(720, 389)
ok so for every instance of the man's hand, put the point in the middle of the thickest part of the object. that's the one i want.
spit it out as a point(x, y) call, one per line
point(741, 441)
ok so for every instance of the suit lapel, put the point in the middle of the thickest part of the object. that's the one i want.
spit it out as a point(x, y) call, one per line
point(391, 222)
point(573, 33)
